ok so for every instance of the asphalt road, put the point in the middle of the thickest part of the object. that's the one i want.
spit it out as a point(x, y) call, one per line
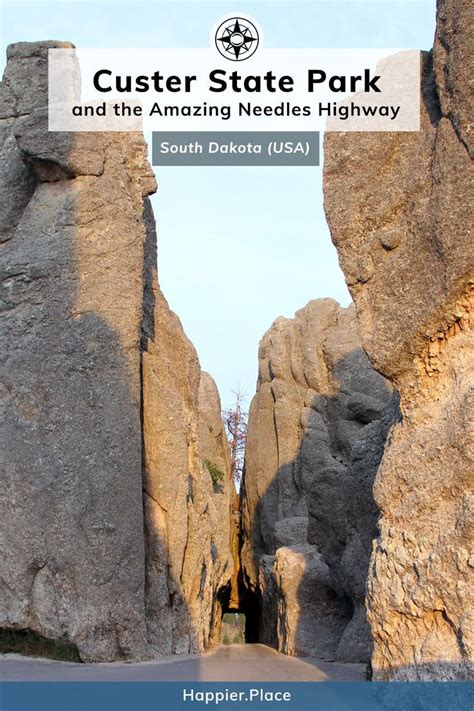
point(237, 662)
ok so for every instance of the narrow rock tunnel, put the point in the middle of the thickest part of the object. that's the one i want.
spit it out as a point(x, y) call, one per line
point(246, 603)
point(236, 598)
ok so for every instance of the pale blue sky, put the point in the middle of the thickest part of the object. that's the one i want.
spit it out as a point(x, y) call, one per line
point(237, 246)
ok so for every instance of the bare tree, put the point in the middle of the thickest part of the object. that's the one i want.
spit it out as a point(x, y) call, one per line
point(235, 423)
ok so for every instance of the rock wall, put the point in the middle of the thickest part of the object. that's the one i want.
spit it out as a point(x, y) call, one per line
point(187, 490)
point(400, 211)
point(102, 396)
point(316, 433)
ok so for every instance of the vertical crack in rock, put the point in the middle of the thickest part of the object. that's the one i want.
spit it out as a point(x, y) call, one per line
point(317, 428)
point(404, 201)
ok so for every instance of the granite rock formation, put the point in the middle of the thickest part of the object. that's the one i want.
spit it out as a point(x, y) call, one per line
point(187, 486)
point(106, 416)
point(400, 210)
point(317, 428)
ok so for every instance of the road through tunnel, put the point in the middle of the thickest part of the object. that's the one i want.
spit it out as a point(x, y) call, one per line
point(239, 618)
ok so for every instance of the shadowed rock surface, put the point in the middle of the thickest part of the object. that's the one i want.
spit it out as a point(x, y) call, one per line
point(400, 211)
point(316, 435)
point(100, 399)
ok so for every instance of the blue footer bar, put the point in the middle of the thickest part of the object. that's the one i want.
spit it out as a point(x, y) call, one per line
point(301, 696)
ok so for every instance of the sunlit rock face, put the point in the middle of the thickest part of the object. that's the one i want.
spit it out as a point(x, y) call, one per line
point(400, 211)
point(187, 488)
point(102, 397)
point(317, 428)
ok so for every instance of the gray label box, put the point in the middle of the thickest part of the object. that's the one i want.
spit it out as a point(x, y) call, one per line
point(235, 148)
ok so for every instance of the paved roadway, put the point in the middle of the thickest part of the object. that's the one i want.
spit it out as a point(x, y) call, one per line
point(236, 662)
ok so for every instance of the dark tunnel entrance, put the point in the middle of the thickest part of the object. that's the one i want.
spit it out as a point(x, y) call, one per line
point(252, 609)
point(238, 612)
point(239, 615)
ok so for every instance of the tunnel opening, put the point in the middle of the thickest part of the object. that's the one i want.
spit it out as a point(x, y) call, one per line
point(237, 616)
point(241, 625)
point(240, 604)
point(233, 628)
point(240, 613)
point(251, 607)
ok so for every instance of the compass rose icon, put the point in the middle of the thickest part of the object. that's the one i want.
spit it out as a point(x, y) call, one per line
point(237, 39)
